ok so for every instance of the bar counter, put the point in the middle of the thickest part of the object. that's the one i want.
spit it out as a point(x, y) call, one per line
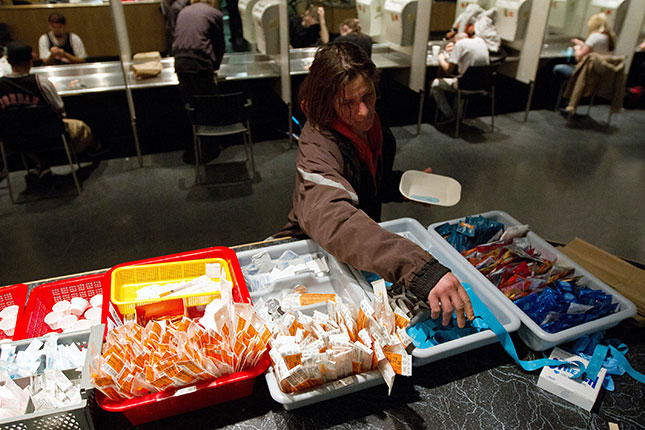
point(107, 76)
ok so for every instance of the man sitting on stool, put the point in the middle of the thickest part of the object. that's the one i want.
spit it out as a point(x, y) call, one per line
point(24, 88)
point(58, 46)
point(464, 52)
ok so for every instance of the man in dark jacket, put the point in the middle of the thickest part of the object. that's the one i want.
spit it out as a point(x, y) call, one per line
point(344, 173)
point(198, 48)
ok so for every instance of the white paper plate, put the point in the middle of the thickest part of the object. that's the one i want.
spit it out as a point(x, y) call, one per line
point(430, 188)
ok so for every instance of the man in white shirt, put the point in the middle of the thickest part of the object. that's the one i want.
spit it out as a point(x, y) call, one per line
point(58, 46)
point(465, 52)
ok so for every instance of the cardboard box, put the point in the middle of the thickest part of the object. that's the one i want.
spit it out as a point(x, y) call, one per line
point(557, 380)
point(625, 278)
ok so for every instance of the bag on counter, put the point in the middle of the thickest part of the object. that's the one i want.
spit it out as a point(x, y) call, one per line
point(147, 64)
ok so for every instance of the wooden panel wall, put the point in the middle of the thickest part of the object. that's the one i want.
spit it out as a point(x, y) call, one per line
point(92, 22)
point(442, 16)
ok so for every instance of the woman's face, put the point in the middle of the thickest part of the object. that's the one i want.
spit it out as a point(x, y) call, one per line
point(354, 104)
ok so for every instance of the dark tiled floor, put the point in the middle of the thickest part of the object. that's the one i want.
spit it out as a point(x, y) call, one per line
point(584, 181)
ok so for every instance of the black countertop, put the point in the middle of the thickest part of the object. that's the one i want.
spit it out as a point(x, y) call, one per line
point(480, 389)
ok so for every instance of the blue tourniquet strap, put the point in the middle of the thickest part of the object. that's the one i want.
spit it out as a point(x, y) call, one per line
point(505, 339)
point(596, 362)
point(622, 361)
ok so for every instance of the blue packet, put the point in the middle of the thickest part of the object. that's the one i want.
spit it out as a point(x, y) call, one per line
point(566, 305)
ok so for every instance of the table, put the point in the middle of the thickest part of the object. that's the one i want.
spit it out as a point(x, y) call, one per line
point(482, 388)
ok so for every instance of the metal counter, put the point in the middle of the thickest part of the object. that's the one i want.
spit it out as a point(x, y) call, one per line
point(107, 76)
point(383, 57)
point(556, 47)
point(87, 78)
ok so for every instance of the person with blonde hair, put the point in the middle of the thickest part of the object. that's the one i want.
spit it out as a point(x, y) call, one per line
point(600, 39)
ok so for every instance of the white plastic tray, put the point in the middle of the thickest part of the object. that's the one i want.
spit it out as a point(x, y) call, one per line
point(531, 333)
point(70, 417)
point(340, 281)
point(328, 391)
point(430, 188)
point(412, 229)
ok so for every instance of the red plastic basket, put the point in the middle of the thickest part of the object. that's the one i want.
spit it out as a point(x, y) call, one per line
point(43, 297)
point(177, 401)
point(9, 296)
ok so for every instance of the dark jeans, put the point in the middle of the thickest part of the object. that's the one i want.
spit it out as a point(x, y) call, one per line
point(561, 74)
point(196, 83)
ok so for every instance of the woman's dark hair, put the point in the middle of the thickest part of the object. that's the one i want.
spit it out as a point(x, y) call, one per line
point(334, 66)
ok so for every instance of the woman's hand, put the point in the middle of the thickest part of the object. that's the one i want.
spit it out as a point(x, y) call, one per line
point(448, 295)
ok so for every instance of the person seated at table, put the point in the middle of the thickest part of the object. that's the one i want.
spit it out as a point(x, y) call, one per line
point(308, 29)
point(58, 46)
point(350, 31)
point(22, 88)
point(198, 48)
point(344, 174)
point(600, 39)
point(461, 54)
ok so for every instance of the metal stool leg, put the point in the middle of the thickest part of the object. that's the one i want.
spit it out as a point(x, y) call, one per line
point(197, 155)
point(559, 99)
point(422, 94)
point(71, 164)
point(492, 108)
point(591, 100)
point(458, 114)
point(529, 101)
point(6, 169)
point(250, 141)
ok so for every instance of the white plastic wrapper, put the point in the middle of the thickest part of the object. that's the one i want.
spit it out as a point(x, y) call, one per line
point(40, 355)
point(202, 284)
point(308, 351)
point(263, 271)
point(13, 399)
point(53, 390)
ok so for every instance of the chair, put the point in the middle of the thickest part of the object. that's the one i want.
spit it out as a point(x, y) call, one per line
point(597, 75)
point(32, 129)
point(218, 116)
point(477, 81)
